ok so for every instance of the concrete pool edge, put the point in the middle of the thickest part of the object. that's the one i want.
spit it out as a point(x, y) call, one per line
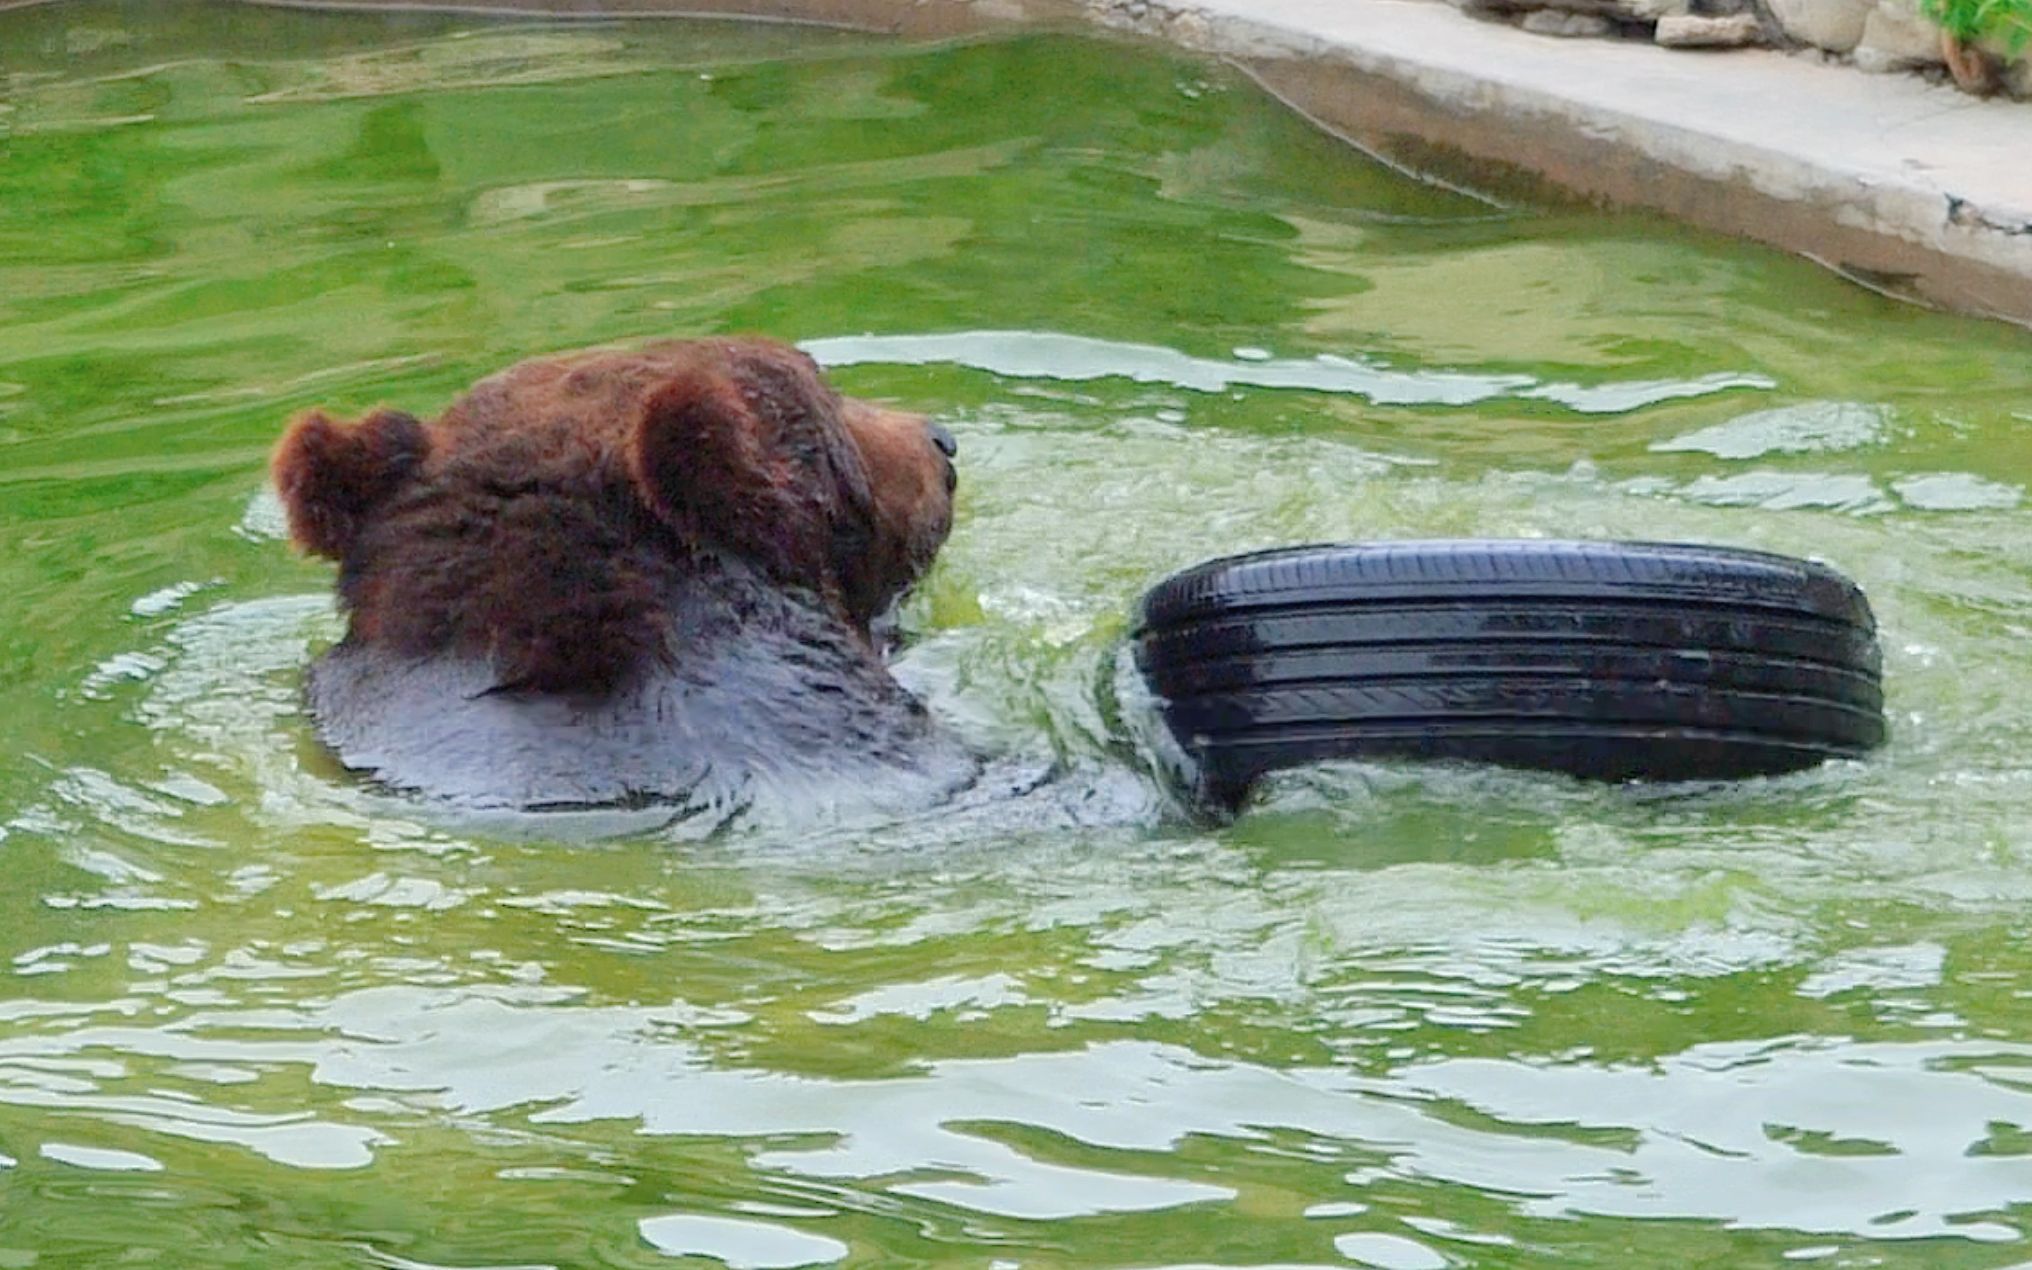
point(1907, 187)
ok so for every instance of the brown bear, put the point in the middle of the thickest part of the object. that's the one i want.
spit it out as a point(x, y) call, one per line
point(638, 577)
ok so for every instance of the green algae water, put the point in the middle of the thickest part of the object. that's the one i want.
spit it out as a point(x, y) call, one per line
point(255, 1015)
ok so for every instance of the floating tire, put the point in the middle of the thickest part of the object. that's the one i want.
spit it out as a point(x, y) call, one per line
point(1606, 660)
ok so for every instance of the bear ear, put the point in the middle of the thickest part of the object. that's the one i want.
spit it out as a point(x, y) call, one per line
point(331, 475)
point(711, 468)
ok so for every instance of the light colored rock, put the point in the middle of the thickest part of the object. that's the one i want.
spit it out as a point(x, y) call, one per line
point(2018, 78)
point(1692, 31)
point(1569, 25)
point(1612, 10)
point(1896, 38)
point(1835, 25)
point(1190, 29)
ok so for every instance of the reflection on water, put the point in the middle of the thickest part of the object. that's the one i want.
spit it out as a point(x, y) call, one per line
point(1394, 1016)
point(1891, 1141)
point(1030, 354)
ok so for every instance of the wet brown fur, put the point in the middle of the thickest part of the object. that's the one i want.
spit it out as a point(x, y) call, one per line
point(544, 522)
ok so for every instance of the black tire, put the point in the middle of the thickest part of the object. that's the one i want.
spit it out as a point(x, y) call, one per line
point(1605, 660)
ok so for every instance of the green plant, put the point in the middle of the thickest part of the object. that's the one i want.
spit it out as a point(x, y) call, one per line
point(2009, 22)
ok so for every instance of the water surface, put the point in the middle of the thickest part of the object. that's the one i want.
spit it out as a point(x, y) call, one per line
point(253, 1014)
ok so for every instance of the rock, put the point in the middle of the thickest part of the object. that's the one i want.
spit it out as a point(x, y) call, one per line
point(1570, 25)
point(2018, 79)
point(1190, 30)
point(1691, 31)
point(1896, 38)
point(1609, 10)
point(1835, 25)
point(1973, 68)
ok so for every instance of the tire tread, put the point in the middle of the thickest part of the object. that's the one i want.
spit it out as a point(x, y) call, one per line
point(1608, 660)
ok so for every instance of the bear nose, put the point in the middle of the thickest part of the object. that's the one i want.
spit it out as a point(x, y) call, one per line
point(947, 444)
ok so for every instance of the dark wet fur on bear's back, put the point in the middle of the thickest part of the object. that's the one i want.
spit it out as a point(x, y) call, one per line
point(758, 701)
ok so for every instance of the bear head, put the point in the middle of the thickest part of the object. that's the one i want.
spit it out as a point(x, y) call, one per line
point(551, 521)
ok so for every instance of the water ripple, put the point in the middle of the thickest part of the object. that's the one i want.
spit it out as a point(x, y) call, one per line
point(1047, 355)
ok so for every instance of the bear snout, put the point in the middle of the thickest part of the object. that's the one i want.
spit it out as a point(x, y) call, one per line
point(949, 446)
point(942, 437)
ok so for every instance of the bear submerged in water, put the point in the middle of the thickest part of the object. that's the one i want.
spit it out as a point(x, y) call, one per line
point(628, 578)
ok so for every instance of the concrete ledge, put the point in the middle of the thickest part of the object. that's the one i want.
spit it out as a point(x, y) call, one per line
point(1907, 187)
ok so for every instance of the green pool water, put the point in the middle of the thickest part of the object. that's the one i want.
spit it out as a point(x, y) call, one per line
point(254, 1015)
